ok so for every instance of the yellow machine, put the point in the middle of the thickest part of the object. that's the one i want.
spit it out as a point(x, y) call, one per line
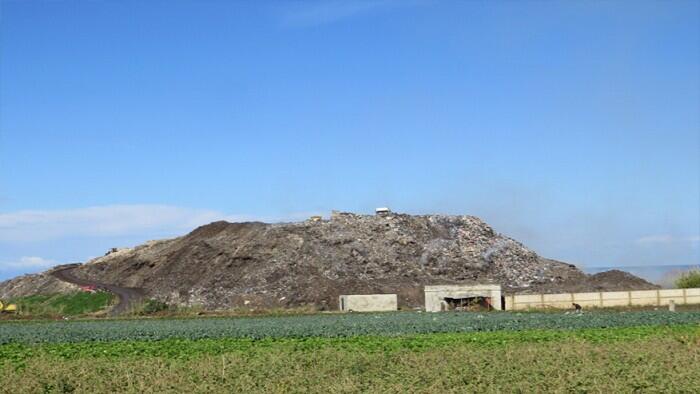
point(8, 308)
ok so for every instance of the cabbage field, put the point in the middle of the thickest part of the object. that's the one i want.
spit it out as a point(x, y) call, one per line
point(381, 352)
point(330, 325)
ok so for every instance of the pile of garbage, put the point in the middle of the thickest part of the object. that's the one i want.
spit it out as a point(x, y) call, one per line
point(256, 265)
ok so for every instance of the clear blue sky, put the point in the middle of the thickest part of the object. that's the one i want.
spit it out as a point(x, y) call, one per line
point(573, 127)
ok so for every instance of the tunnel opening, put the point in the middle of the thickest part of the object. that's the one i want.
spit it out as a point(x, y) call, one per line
point(467, 304)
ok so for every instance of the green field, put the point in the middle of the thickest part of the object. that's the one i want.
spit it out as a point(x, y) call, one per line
point(328, 325)
point(394, 352)
point(59, 305)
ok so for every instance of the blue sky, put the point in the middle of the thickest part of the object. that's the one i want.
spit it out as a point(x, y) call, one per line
point(573, 127)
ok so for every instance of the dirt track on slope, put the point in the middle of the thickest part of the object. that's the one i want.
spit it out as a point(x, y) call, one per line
point(127, 296)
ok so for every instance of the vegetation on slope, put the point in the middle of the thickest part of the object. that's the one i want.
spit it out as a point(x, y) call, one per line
point(56, 305)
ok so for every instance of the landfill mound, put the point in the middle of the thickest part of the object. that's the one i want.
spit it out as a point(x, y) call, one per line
point(259, 265)
point(27, 285)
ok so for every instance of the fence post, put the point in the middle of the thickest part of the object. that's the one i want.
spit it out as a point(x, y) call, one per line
point(629, 298)
point(600, 296)
point(685, 297)
point(658, 298)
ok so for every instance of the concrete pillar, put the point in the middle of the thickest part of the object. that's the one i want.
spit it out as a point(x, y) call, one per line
point(658, 298)
point(496, 300)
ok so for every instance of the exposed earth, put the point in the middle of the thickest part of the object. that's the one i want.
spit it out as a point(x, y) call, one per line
point(126, 296)
point(224, 265)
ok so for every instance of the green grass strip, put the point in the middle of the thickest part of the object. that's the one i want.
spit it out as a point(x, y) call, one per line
point(73, 304)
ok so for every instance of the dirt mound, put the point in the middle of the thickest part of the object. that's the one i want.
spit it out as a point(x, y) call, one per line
point(223, 265)
point(26, 285)
point(618, 280)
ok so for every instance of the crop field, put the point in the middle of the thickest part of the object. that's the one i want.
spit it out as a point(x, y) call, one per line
point(332, 325)
point(389, 352)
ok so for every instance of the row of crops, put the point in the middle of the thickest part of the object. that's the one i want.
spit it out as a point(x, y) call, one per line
point(389, 324)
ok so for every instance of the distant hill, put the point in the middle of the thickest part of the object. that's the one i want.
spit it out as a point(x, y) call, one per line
point(663, 275)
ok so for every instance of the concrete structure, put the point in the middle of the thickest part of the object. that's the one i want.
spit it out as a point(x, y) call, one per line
point(368, 302)
point(445, 297)
point(603, 299)
point(382, 211)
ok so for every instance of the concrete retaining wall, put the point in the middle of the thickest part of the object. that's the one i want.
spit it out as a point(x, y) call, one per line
point(603, 299)
point(368, 302)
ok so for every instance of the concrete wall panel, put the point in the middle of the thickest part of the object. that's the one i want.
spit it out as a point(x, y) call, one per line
point(615, 295)
point(583, 297)
point(604, 299)
point(368, 302)
point(615, 302)
point(563, 298)
point(645, 301)
point(671, 293)
point(644, 294)
point(528, 298)
point(692, 292)
point(509, 302)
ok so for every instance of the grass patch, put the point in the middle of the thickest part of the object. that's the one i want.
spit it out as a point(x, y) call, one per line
point(73, 304)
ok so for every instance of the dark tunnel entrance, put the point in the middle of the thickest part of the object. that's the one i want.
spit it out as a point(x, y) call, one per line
point(468, 304)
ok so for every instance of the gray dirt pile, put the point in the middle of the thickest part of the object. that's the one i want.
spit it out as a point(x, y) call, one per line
point(34, 284)
point(223, 265)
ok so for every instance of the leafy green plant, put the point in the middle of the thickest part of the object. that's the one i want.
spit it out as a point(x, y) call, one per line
point(154, 306)
point(689, 279)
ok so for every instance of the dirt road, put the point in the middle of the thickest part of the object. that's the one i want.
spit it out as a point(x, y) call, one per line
point(127, 296)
